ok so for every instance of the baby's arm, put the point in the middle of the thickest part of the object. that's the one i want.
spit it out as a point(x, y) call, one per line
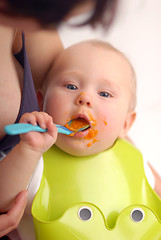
point(18, 166)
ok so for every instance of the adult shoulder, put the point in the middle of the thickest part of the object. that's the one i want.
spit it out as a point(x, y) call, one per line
point(42, 48)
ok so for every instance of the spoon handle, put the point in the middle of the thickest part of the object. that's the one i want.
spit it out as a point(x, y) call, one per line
point(19, 128)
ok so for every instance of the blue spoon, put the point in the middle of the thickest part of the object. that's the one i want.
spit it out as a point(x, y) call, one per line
point(18, 128)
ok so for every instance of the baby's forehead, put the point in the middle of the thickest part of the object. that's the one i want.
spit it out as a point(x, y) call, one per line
point(91, 46)
point(88, 52)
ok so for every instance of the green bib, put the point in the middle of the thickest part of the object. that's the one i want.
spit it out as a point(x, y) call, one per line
point(104, 196)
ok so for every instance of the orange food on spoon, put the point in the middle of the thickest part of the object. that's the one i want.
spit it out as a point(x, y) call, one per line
point(76, 124)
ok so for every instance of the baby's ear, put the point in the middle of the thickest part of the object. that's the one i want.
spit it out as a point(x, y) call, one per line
point(130, 118)
point(40, 98)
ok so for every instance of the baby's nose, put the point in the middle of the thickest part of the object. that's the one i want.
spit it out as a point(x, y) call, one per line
point(84, 99)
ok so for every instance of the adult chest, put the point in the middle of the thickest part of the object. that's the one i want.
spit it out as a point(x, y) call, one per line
point(11, 78)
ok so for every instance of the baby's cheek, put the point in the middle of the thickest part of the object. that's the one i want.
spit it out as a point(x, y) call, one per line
point(102, 123)
point(105, 121)
point(108, 129)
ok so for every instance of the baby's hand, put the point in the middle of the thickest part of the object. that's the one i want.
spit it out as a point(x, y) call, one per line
point(40, 142)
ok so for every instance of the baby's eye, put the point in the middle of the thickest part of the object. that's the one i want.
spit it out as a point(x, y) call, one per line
point(71, 87)
point(104, 94)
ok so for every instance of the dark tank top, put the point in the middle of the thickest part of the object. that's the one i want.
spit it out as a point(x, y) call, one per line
point(29, 101)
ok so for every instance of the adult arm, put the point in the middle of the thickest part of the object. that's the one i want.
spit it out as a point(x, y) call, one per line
point(11, 219)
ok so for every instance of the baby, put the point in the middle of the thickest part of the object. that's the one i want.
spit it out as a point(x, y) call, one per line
point(91, 82)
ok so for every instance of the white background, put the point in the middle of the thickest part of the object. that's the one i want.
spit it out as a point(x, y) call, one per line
point(137, 32)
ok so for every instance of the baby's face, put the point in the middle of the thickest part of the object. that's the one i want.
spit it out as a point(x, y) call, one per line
point(94, 84)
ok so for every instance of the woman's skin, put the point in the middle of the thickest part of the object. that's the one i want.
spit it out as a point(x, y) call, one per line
point(11, 74)
point(41, 52)
point(11, 219)
point(42, 47)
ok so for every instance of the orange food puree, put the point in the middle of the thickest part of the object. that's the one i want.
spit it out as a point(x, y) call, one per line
point(91, 134)
point(76, 124)
point(90, 143)
point(92, 120)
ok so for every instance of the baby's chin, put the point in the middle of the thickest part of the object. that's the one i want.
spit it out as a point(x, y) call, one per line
point(80, 150)
point(78, 153)
point(80, 147)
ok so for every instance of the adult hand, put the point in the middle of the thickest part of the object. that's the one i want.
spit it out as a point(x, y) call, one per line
point(10, 220)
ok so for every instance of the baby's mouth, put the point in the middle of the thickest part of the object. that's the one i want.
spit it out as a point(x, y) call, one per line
point(78, 124)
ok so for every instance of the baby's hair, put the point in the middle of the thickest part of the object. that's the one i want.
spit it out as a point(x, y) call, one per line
point(106, 45)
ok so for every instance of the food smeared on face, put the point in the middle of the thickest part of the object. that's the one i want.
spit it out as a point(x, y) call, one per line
point(92, 120)
point(91, 135)
point(90, 143)
point(105, 122)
